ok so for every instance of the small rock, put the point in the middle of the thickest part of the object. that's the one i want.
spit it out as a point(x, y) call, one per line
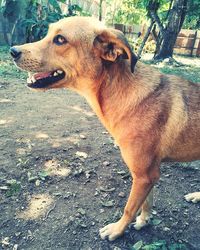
point(74, 232)
point(29, 235)
point(101, 211)
point(3, 188)
point(37, 183)
point(5, 241)
point(117, 248)
point(81, 211)
point(15, 247)
point(106, 163)
point(166, 60)
point(87, 174)
point(17, 234)
point(154, 212)
point(166, 229)
point(96, 193)
point(121, 194)
point(82, 136)
point(81, 154)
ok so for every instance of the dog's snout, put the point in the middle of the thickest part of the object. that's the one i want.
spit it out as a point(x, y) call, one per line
point(15, 52)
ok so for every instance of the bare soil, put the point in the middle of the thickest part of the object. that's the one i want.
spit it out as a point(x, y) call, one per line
point(62, 178)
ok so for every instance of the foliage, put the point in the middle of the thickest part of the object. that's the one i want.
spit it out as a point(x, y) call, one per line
point(14, 187)
point(38, 15)
point(10, 9)
point(158, 245)
point(192, 20)
point(135, 12)
point(125, 11)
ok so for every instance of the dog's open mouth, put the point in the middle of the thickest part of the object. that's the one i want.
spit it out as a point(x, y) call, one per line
point(44, 79)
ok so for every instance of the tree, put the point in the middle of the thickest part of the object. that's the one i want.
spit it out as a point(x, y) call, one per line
point(167, 34)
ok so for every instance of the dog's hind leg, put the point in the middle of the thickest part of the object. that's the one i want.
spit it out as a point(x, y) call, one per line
point(193, 197)
point(143, 219)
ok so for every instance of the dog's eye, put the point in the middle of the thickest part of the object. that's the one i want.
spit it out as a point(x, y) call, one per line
point(59, 40)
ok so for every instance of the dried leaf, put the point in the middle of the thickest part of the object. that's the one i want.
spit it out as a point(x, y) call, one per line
point(106, 189)
point(110, 203)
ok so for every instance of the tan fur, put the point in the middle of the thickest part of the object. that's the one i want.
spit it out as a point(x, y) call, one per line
point(151, 116)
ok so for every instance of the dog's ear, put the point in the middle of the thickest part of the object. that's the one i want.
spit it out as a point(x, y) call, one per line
point(112, 44)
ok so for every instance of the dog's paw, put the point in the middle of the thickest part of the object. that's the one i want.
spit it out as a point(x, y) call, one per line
point(111, 231)
point(141, 222)
point(193, 197)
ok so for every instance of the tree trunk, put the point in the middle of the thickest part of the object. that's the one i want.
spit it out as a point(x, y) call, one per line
point(145, 39)
point(175, 22)
point(100, 9)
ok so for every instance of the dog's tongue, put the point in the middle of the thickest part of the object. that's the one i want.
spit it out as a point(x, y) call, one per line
point(41, 75)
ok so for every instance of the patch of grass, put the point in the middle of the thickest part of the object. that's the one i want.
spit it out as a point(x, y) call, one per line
point(158, 245)
point(187, 72)
point(189, 67)
point(7, 68)
point(14, 187)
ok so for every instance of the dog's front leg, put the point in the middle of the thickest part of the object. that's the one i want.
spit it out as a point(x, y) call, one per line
point(143, 219)
point(145, 172)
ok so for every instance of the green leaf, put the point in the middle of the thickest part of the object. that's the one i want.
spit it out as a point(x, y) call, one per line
point(156, 222)
point(177, 246)
point(14, 187)
point(43, 175)
point(157, 245)
point(55, 5)
point(138, 245)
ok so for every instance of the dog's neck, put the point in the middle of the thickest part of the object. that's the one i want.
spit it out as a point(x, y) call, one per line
point(115, 94)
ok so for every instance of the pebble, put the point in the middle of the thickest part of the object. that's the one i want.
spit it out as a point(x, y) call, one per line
point(121, 194)
point(154, 212)
point(15, 247)
point(17, 234)
point(106, 163)
point(82, 136)
point(5, 241)
point(81, 154)
point(166, 229)
point(37, 183)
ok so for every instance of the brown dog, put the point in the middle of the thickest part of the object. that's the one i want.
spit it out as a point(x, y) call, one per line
point(151, 116)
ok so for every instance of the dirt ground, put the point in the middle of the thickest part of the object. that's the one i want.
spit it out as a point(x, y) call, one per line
point(62, 178)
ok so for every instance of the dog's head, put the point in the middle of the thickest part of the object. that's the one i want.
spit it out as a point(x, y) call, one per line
point(74, 49)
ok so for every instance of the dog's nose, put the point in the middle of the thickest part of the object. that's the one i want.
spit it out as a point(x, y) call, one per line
point(15, 53)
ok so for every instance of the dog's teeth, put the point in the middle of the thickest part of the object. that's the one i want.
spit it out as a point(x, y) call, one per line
point(55, 74)
point(33, 79)
point(28, 80)
point(59, 71)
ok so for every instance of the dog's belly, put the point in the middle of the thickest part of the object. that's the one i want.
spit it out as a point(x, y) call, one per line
point(186, 147)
